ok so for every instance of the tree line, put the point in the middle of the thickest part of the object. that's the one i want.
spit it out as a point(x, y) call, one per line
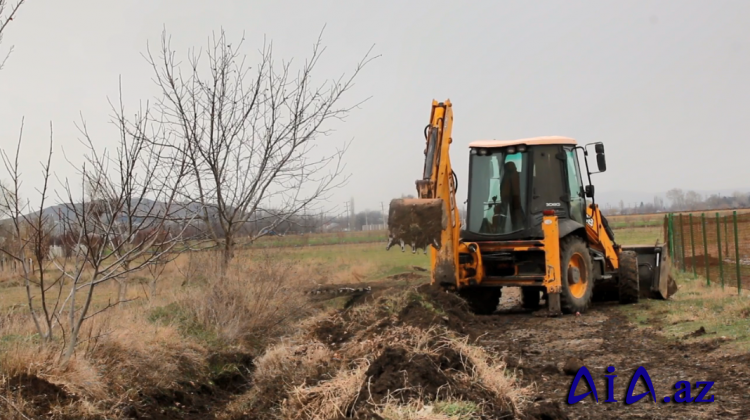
point(680, 200)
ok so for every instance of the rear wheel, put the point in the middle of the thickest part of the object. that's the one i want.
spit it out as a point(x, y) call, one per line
point(628, 281)
point(481, 300)
point(577, 280)
point(531, 297)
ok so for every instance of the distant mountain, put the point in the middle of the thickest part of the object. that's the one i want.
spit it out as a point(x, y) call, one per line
point(146, 208)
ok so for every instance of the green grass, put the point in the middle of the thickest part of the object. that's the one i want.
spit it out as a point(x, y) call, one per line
point(639, 236)
point(174, 314)
point(373, 260)
point(456, 409)
point(621, 224)
point(722, 313)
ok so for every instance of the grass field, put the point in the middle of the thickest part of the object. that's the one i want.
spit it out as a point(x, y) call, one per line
point(194, 329)
point(344, 258)
point(657, 219)
point(698, 313)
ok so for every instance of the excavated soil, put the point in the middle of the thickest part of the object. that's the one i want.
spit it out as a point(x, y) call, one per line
point(539, 348)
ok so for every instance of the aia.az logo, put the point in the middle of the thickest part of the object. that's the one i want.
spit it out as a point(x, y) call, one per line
point(682, 394)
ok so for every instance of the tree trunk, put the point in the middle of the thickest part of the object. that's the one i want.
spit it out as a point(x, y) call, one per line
point(122, 290)
point(227, 255)
point(122, 285)
point(70, 348)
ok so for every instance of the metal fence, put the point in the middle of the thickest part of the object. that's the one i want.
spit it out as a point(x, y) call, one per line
point(712, 245)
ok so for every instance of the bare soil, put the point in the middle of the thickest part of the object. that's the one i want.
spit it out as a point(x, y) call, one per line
point(543, 352)
point(539, 348)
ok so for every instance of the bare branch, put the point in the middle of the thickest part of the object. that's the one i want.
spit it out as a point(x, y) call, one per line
point(248, 135)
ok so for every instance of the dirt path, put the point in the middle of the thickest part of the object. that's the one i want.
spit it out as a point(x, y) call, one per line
point(540, 347)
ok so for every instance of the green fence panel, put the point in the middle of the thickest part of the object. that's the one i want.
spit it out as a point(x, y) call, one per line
point(718, 247)
point(737, 260)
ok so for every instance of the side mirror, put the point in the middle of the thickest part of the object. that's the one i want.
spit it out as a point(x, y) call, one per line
point(599, 148)
point(601, 162)
point(589, 191)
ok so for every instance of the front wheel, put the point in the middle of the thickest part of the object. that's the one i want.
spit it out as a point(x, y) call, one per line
point(628, 280)
point(576, 275)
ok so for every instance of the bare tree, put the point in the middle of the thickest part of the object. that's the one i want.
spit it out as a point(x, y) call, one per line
point(692, 200)
point(26, 241)
point(7, 13)
point(123, 230)
point(677, 197)
point(248, 135)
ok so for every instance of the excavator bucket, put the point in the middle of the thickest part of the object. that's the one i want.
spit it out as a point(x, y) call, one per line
point(656, 281)
point(416, 222)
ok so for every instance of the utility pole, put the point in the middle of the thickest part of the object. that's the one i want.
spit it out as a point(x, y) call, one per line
point(349, 219)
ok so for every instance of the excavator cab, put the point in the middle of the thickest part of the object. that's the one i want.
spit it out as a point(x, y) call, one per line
point(531, 222)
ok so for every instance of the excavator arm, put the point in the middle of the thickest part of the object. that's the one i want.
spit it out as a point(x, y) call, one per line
point(432, 220)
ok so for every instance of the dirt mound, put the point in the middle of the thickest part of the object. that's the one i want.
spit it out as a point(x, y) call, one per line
point(233, 370)
point(39, 392)
point(404, 376)
point(545, 411)
point(333, 333)
point(194, 400)
point(433, 306)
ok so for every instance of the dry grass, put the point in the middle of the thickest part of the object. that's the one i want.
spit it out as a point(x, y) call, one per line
point(492, 375)
point(167, 339)
point(158, 343)
point(442, 410)
point(329, 399)
point(254, 302)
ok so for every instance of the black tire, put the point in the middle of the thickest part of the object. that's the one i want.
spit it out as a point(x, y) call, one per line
point(628, 279)
point(531, 297)
point(481, 300)
point(578, 284)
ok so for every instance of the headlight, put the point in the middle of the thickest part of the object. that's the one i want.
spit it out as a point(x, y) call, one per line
point(522, 148)
point(511, 150)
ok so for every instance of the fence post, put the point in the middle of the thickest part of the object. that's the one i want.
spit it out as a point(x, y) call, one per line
point(705, 249)
point(692, 245)
point(671, 237)
point(726, 237)
point(718, 243)
point(682, 242)
point(737, 253)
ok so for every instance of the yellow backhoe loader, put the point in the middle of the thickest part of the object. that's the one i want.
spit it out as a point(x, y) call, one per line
point(529, 224)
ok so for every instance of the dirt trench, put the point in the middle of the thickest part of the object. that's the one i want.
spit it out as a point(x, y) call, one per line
point(547, 352)
point(540, 348)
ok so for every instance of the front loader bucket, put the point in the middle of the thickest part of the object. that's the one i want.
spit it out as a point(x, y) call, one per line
point(656, 281)
point(416, 222)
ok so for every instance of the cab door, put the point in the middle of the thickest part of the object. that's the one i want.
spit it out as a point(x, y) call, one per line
point(575, 186)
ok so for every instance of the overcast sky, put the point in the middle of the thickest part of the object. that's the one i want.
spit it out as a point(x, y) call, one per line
point(665, 85)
